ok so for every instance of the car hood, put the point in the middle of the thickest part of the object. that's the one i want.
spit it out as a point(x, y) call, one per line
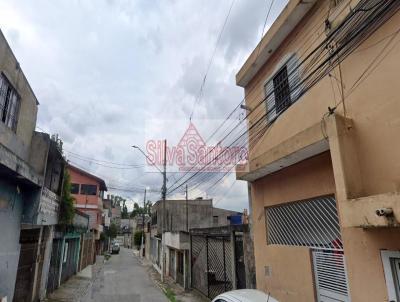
point(249, 295)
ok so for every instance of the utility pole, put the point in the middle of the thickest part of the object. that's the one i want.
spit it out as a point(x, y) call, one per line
point(143, 216)
point(163, 196)
point(187, 209)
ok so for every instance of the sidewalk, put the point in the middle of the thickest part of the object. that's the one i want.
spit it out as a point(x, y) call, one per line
point(169, 287)
point(78, 286)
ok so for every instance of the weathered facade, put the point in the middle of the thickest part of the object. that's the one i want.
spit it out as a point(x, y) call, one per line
point(88, 191)
point(323, 160)
point(219, 259)
point(31, 174)
point(181, 216)
point(72, 250)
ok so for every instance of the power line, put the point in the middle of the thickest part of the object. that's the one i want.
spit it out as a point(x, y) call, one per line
point(110, 167)
point(263, 29)
point(200, 93)
point(91, 159)
point(348, 35)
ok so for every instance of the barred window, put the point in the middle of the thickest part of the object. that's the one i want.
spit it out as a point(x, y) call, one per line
point(283, 88)
point(9, 103)
point(312, 223)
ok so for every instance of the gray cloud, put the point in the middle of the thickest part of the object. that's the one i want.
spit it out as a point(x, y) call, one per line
point(101, 69)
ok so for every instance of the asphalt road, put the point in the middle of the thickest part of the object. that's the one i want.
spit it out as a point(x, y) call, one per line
point(123, 278)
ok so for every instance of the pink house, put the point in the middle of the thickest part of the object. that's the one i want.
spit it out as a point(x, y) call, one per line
point(88, 190)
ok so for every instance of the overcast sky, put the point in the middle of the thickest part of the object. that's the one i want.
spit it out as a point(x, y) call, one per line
point(102, 69)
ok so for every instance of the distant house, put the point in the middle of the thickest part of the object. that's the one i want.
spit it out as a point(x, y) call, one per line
point(180, 216)
point(88, 191)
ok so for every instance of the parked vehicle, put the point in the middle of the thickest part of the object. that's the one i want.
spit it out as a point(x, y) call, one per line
point(115, 248)
point(244, 295)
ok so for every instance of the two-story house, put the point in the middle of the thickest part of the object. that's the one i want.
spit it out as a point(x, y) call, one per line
point(323, 124)
point(88, 191)
point(31, 174)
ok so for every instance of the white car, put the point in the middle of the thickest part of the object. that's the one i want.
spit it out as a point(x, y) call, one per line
point(244, 295)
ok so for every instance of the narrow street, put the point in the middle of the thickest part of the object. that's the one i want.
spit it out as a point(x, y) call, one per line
point(123, 278)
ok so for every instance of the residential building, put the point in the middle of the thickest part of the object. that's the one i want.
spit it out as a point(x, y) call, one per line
point(181, 216)
point(88, 191)
point(72, 250)
point(31, 175)
point(321, 90)
point(126, 232)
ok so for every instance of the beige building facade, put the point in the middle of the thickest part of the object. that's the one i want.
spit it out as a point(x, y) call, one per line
point(324, 122)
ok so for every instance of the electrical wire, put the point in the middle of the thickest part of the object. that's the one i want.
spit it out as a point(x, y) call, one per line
point(323, 66)
point(200, 93)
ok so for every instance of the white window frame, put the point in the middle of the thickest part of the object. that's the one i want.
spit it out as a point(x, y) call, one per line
point(65, 252)
point(388, 271)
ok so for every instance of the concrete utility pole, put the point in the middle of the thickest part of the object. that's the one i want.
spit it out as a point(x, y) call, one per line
point(187, 209)
point(143, 216)
point(163, 196)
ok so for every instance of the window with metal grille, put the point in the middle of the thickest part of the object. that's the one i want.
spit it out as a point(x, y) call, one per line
point(9, 103)
point(311, 223)
point(283, 88)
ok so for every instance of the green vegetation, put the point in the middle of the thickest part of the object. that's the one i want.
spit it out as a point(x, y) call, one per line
point(137, 239)
point(112, 231)
point(117, 201)
point(67, 210)
point(138, 210)
point(170, 294)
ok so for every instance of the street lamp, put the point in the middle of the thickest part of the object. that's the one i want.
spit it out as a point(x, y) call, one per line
point(163, 197)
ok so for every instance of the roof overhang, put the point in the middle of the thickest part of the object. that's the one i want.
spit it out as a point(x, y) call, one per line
point(101, 181)
point(305, 144)
point(289, 18)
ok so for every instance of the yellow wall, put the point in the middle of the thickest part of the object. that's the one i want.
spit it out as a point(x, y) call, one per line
point(291, 278)
point(374, 108)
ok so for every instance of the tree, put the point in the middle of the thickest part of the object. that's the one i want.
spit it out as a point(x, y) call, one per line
point(138, 210)
point(124, 211)
point(137, 239)
point(67, 210)
point(117, 200)
point(112, 231)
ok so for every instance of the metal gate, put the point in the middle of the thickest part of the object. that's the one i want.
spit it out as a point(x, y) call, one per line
point(211, 261)
point(69, 258)
point(54, 269)
point(180, 266)
point(87, 250)
point(30, 258)
point(330, 276)
point(239, 260)
point(172, 263)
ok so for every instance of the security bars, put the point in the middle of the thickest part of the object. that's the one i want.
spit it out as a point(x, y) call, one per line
point(312, 223)
point(9, 103)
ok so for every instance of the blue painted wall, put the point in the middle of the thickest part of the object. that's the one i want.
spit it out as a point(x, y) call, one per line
point(11, 206)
